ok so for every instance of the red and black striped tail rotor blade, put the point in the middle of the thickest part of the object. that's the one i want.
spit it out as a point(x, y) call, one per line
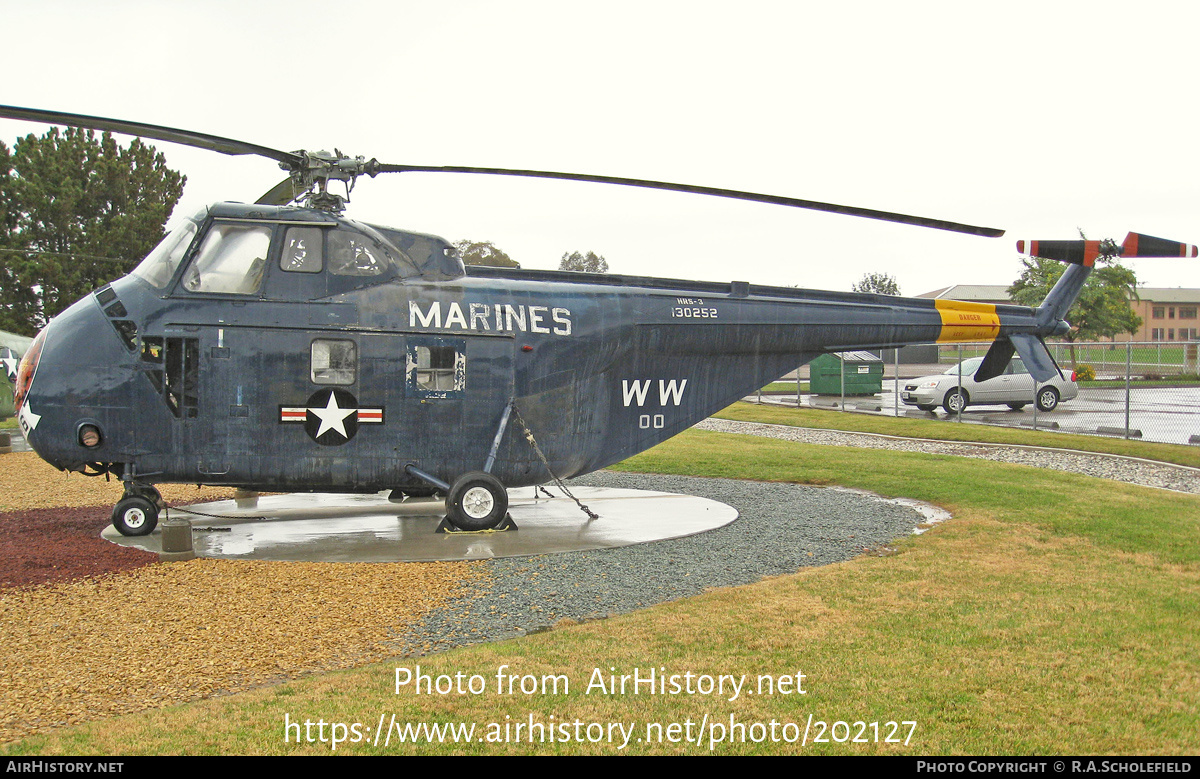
point(1074, 252)
point(1137, 245)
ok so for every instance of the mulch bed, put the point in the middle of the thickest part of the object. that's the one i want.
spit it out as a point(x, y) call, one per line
point(42, 546)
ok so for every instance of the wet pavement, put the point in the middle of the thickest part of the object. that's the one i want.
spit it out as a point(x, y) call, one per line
point(371, 528)
point(18, 442)
point(1166, 415)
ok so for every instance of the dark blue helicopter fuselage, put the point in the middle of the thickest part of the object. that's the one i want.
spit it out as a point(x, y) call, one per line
point(313, 381)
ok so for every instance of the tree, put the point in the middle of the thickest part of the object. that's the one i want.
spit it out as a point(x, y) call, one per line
point(587, 263)
point(1102, 309)
point(879, 283)
point(76, 211)
point(484, 253)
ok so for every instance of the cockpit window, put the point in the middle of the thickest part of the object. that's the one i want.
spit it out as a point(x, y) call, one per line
point(302, 250)
point(356, 254)
point(160, 264)
point(231, 260)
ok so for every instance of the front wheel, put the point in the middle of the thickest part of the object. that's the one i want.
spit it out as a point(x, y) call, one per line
point(1016, 406)
point(477, 501)
point(926, 406)
point(135, 515)
point(956, 401)
point(1047, 399)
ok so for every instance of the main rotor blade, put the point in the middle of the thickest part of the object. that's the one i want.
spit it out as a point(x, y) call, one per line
point(279, 195)
point(157, 132)
point(813, 205)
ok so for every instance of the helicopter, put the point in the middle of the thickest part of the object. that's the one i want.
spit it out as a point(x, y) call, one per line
point(276, 346)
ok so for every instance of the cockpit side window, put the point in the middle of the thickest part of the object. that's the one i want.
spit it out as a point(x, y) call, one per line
point(356, 254)
point(231, 260)
point(302, 250)
point(160, 264)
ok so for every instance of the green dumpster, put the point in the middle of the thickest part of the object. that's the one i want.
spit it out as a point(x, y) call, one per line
point(863, 373)
point(6, 396)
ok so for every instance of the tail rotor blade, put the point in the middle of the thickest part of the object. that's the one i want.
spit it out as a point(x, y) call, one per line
point(1086, 252)
point(1074, 252)
point(1138, 245)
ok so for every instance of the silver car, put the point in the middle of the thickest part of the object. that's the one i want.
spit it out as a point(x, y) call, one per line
point(1014, 388)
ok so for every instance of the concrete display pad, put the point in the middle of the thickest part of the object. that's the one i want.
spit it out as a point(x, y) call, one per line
point(371, 528)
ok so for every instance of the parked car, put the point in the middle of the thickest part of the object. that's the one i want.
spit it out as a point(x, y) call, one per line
point(1013, 388)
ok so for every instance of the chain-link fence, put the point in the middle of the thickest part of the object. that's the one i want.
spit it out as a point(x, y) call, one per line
point(1139, 390)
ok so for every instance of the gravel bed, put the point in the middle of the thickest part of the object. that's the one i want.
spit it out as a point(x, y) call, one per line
point(1127, 469)
point(781, 529)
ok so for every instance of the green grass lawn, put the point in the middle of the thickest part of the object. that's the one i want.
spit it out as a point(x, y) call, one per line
point(1054, 614)
point(1143, 356)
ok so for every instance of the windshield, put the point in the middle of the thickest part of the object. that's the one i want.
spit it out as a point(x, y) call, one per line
point(968, 367)
point(160, 264)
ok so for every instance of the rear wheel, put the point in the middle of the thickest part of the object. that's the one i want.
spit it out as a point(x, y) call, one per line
point(1047, 399)
point(956, 401)
point(477, 501)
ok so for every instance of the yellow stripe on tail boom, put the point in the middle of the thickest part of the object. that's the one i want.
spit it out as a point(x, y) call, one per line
point(963, 322)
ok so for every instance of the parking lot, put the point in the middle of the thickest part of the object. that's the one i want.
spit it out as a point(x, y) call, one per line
point(1164, 414)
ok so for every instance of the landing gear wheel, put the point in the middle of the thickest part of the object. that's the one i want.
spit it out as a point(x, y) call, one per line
point(1047, 399)
point(1016, 406)
point(135, 515)
point(150, 493)
point(927, 406)
point(956, 401)
point(477, 501)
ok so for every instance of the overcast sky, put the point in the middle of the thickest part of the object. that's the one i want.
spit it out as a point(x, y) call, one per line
point(1040, 118)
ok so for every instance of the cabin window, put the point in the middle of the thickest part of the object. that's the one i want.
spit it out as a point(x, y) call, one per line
point(437, 368)
point(355, 254)
point(334, 362)
point(302, 251)
point(231, 260)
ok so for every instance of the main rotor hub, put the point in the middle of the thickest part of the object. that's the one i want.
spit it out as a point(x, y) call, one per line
point(312, 174)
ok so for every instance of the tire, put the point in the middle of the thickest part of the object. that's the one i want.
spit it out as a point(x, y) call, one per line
point(150, 493)
point(135, 515)
point(1047, 399)
point(1016, 406)
point(956, 401)
point(926, 406)
point(477, 501)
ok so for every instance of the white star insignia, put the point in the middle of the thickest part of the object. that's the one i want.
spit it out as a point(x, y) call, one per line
point(332, 417)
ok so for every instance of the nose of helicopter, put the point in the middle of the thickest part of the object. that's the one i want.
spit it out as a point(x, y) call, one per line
point(25, 373)
point(68, 387)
